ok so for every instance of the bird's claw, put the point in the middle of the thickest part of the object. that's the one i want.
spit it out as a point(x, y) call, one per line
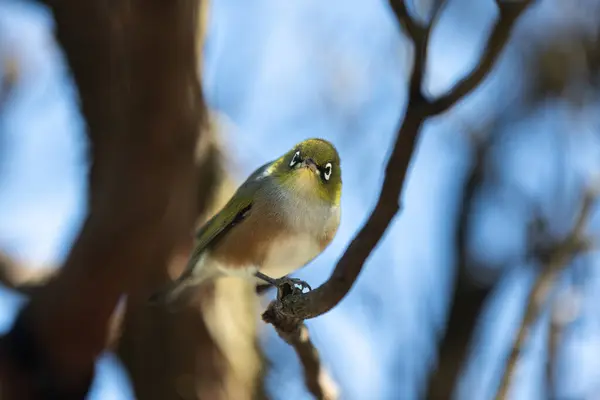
point(294, 283)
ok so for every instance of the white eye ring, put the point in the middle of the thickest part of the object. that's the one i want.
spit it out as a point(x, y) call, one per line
point(327, 171)
point(295, 159)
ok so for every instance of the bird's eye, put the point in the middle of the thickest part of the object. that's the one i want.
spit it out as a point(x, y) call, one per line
point(295, 159)
point(327, 171)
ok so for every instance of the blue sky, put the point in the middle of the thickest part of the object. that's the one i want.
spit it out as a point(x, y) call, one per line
point(281, 72)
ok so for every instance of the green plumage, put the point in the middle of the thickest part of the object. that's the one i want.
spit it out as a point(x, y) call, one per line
point(232, 213)
point(296, 195)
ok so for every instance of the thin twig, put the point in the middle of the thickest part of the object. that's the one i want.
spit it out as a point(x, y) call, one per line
point(317, 379)
point(413, 30)
point(554, 337)
point(509, 12)
point(566, 308)
point(559, 257)
point(288, 312)
point(419, 36)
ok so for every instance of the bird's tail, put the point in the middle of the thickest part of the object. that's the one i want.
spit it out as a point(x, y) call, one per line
point(172, 293)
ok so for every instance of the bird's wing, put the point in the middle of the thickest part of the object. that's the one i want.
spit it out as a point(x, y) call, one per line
point(234, 212)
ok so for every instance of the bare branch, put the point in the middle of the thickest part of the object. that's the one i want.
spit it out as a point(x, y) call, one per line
point(554, 338)
point(420, 37)
point(436, 12)
point(316, 377)
point(318, 381)
point(509, 13)
point(558, 259)
point(566, 308)
point(9, 79)
point(298, 307)
point(468, 298)
point(414, 31)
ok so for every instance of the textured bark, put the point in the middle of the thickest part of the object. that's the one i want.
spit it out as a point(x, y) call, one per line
point(140, 97)
point(208, 349)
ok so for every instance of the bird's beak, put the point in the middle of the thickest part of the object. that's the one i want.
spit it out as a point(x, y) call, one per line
point(310, 164)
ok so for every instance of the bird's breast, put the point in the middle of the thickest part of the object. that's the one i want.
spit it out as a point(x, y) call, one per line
point(281, 234)
point(286, 254)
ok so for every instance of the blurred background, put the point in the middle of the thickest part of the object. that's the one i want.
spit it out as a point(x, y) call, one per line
point(499, 174)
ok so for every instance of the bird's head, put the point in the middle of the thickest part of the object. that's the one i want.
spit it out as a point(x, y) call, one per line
point(311, 169)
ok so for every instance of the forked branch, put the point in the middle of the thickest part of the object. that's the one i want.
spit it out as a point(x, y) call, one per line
point(288, 312)
point(557, 258)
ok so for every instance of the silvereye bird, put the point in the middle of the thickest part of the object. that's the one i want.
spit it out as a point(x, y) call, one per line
point(284, 215)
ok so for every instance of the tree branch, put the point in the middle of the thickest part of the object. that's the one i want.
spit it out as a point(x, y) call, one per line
point(419, 36)
point(558, 258)
point(509, 13)
point(317, 379)
point(135, 67)
point(468, 298)
point(208, 348)
point(287, 313)
point(555, 331)
point(413, 30)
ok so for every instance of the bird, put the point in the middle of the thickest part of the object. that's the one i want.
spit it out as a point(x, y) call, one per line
point(283, 216)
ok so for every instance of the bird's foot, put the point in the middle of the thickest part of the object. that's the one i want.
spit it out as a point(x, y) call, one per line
point(285, 285)
point(294, 283)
